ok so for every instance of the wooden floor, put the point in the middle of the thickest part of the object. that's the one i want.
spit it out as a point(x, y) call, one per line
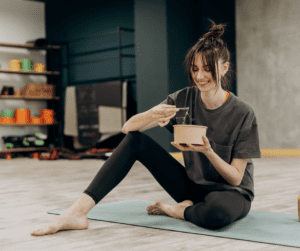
point(30, 188)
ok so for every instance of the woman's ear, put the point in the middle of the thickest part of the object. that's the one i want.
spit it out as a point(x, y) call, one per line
point(225, 68)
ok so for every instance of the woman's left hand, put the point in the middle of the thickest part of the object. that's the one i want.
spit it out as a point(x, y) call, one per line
point(195, 148)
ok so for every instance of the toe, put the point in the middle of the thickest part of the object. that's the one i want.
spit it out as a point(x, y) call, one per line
point(150, 207)
point(36, 232)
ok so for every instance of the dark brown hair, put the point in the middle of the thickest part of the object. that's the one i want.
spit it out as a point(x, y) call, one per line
point(212, 49)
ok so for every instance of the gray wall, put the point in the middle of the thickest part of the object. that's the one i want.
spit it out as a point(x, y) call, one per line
point(268, 38)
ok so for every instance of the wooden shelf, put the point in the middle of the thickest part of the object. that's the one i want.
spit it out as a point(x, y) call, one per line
point(29, 149)
point(31, 46)
point(27, 124)
point(30, 72)
point(29, 98)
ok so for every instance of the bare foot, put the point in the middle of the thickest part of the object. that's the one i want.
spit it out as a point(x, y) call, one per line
point(66, 221)
point(175, 211)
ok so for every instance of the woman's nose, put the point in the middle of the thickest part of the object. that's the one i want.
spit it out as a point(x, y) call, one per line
point(200, 76)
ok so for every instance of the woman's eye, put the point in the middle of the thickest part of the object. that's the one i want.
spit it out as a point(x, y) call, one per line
point(205, 68)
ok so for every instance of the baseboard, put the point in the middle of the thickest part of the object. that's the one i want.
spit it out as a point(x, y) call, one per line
point(264, 153)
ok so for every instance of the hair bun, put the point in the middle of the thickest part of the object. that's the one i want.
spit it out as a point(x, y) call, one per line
point(216, 31)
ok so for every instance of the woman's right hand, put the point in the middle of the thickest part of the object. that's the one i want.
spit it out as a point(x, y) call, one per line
point(163, 113)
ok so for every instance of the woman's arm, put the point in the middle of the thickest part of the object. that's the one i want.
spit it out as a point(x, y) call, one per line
point(140, 122)
point(233, 173)
point(158, 115)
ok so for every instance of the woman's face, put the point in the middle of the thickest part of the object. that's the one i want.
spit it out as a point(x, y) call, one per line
point(202, 74)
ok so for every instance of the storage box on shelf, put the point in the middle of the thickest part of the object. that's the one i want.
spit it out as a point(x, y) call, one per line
point(38, 90)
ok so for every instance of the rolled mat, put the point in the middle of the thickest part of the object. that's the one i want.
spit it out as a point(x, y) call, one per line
point(258, 226)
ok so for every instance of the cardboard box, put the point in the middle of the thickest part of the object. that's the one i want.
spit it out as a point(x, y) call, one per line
point(39, 90)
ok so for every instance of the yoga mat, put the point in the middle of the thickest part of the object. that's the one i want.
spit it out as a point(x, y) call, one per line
point(257, 226)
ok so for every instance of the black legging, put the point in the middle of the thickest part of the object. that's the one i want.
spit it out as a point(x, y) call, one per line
point(211, 209)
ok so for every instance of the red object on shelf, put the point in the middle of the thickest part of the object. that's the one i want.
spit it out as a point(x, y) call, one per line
point(75, 157)
point(54, 155)
point(35, 155)
point(47, 116)
point(102, 150)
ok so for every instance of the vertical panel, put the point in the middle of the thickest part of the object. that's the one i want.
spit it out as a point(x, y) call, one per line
point(151, 52)
point(268, 68)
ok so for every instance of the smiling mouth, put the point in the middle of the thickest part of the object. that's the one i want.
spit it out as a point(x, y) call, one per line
point(205, 83)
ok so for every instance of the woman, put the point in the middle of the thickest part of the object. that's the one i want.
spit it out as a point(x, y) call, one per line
point(213, 189)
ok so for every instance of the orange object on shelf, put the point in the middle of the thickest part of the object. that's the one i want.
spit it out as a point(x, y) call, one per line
point(8, 156)
point(15, 65)
point(22, 116)
point(47, 116)
point(38, 67)
point(36, 120)
point(8, 120)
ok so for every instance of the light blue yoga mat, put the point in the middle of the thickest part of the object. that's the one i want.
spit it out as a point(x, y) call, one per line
point(257, 226)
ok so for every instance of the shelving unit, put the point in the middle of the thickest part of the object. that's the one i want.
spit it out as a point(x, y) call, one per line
point(55, 131)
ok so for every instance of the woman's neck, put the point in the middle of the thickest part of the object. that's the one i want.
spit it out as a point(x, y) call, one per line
point(213, 101)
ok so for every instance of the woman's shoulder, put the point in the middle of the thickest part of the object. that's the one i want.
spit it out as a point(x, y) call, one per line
point(241, 105)
point(182, 93)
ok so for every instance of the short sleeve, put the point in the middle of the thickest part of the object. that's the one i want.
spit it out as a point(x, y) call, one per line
point(247, 143)
point(170, 101)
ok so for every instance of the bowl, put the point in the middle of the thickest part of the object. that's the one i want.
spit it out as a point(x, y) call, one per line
point(191, 134)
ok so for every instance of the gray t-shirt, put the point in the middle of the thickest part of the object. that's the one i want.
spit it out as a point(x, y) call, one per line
point(232, 133)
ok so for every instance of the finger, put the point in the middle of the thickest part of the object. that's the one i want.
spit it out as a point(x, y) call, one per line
point(171, 116)
point(169, 112)
point(166, 108)
point(162, 124)
point(172, 109)
point(165, 105)
point(162, 120)
point(165, 120)
point(189, 145)
point(177, 145)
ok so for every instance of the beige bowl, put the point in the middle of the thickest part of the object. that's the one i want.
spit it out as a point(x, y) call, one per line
point(191, 134)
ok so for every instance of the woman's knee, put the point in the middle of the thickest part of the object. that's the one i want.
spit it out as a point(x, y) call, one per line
point(220, 217)
point(214, 218)
point(138, 136)
point(133, 136)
